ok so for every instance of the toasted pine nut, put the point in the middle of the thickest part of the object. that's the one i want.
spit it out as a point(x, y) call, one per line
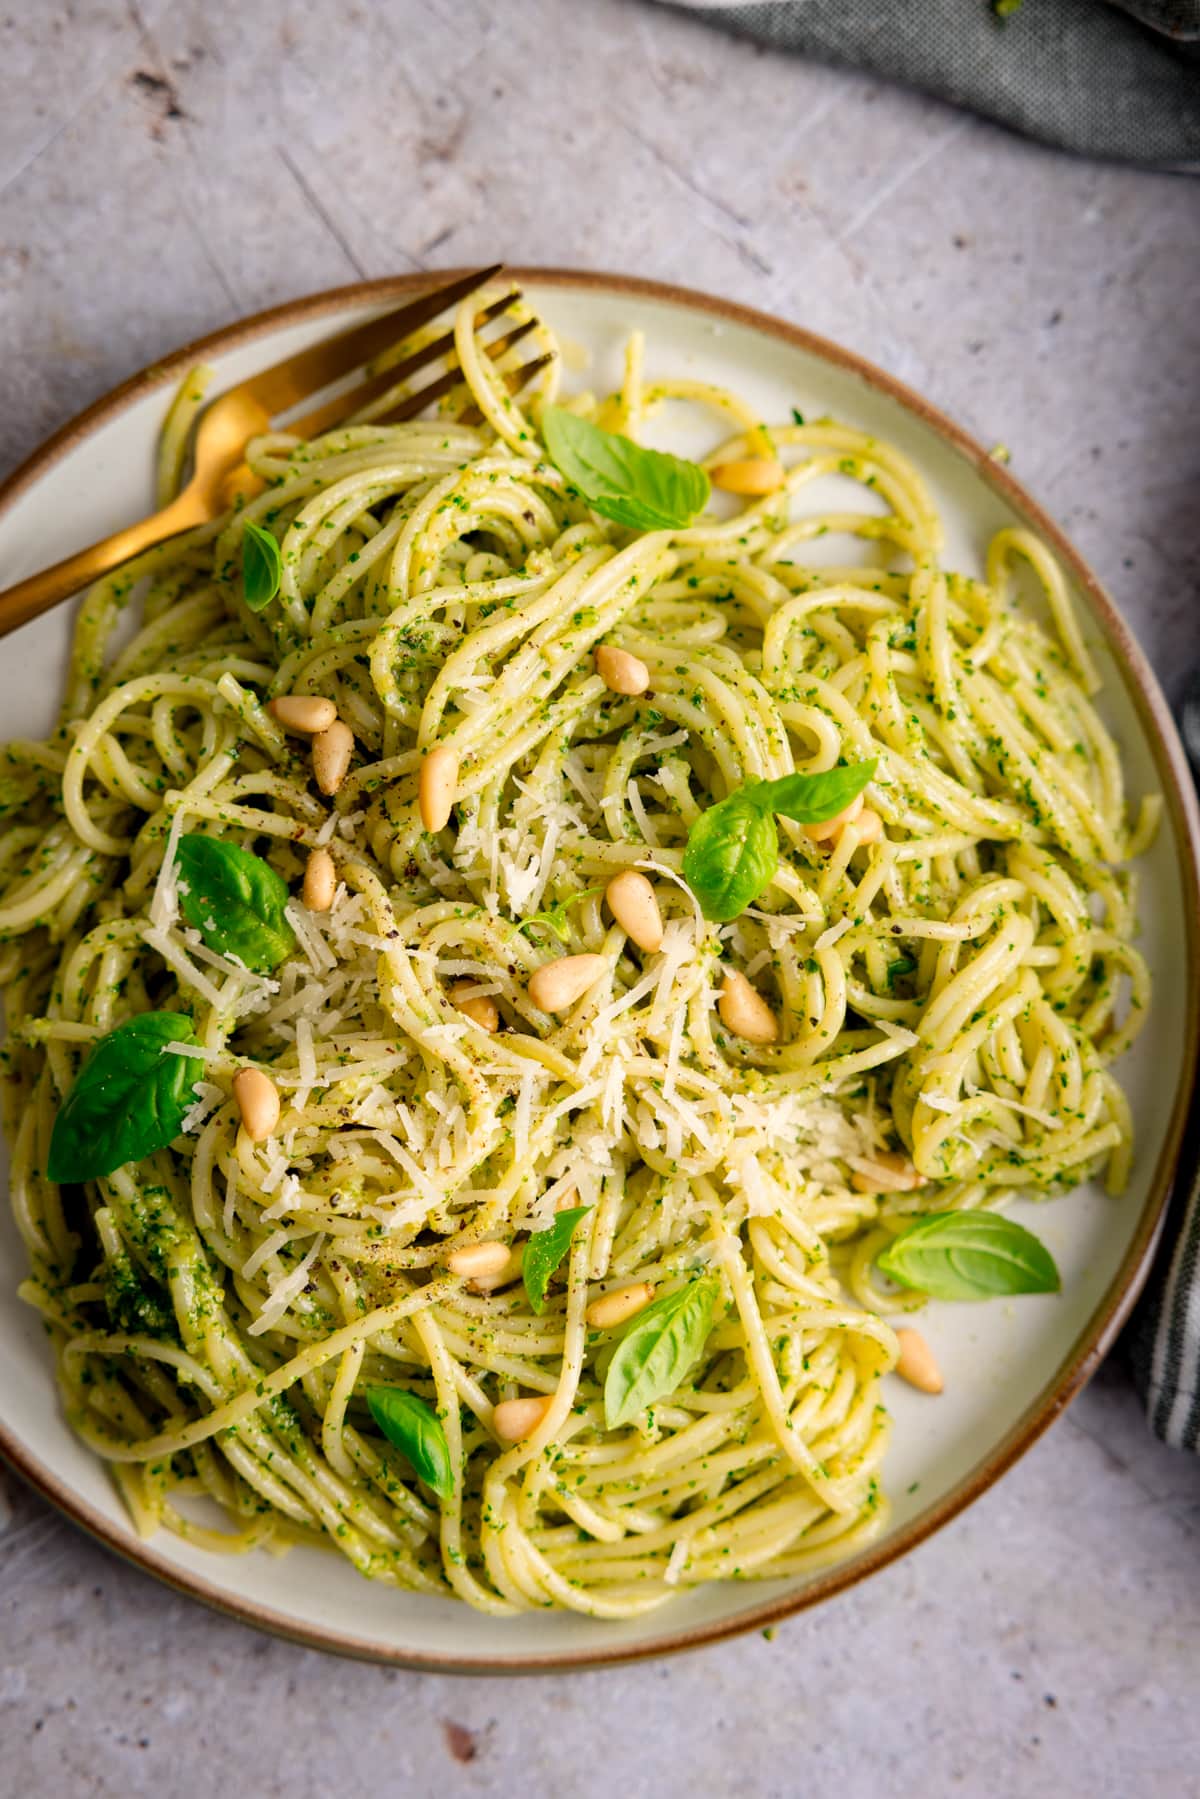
point(514, 1419)
point(437, 786)
point(917, 1363)
point(889, 1172)
point(557, 985)
point(257, 1099)
point(632, 902)
point(744, 1011)
point(832, 827)
point(320, 882)
point(474, 1261)
point(303, 713)
point(621, 672)
point(500, 1277)
point(480, 1008)
point(749, 475)
point(331, 752)
point(614, 1308)
point(869, 825)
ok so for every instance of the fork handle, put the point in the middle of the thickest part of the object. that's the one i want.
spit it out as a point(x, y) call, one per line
point(30, 598)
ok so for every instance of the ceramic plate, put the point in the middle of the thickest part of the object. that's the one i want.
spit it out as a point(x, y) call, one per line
point(1010, 1367)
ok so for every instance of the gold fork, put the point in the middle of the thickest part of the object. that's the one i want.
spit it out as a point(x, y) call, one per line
point(229, 422)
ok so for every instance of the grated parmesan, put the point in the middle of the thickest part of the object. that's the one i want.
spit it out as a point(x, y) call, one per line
point(306, 1060)
point(320, 956)
point(164, 903)
point(174, 955)
point(286, 1291)
point(208, 1098)
point(829, 937)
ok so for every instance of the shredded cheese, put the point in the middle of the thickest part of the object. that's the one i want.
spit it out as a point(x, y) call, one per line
point(287, 1290)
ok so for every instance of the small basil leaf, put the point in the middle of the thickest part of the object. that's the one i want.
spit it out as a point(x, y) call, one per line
point(235, 900)
point(262, 566)
point(556, 918)
point(899, 968)
point(733, 847)
point(732, 852)
point(661, 1346)
point(545, 1250)
point(129, 1099)
point(811, 799)
point(970, 1255)
point(648, 490)
point(414, 1428)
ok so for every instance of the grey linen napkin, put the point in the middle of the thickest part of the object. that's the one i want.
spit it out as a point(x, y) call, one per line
point(1164, 1339)
point(1118, 80)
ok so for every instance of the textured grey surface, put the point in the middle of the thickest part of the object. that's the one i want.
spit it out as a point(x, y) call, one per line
point(166, 167)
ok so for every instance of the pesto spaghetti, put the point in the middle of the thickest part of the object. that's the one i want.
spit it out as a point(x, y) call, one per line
point(489, 976)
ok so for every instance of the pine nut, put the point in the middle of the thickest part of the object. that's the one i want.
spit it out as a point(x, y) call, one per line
point(480, 1008)
point(621, 672)
point(257, 1099)
point(611, 1309)
point(557, 985)
point(744, 1011)
point(832, 827)
point(917, 1363)
point(632, 902)
point(889, 1172)
point(475, 1261)
point(514, 1419)
point(437, 787)
point(331, 752)
point(303, 713)
point(320, 882)
point(869, 826)
point(500, 1277)
point(750, 475)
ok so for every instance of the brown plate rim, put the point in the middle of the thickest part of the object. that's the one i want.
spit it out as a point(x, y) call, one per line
point(1102, 1327)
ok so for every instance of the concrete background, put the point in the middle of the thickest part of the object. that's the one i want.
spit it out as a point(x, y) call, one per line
point(167, 167)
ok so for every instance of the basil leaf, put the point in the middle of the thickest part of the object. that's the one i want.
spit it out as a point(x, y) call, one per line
point(970, 1255)
point(896, 970)
point(412, 1425)
point(811, 799)
point(556, 918)
point(545, 1250)
point(661, 1346)
point(648, 490)
point(262, 566)
point(129, 1099)
point(732, 852)
point(733, 847)
point(236, 901)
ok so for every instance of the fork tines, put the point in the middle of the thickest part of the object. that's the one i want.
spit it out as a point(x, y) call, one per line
point(413, 404)
point(381, 397)
point(514, 381)
point(286, 384)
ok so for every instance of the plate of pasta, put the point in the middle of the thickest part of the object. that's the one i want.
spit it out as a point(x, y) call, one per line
point(600, 987)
